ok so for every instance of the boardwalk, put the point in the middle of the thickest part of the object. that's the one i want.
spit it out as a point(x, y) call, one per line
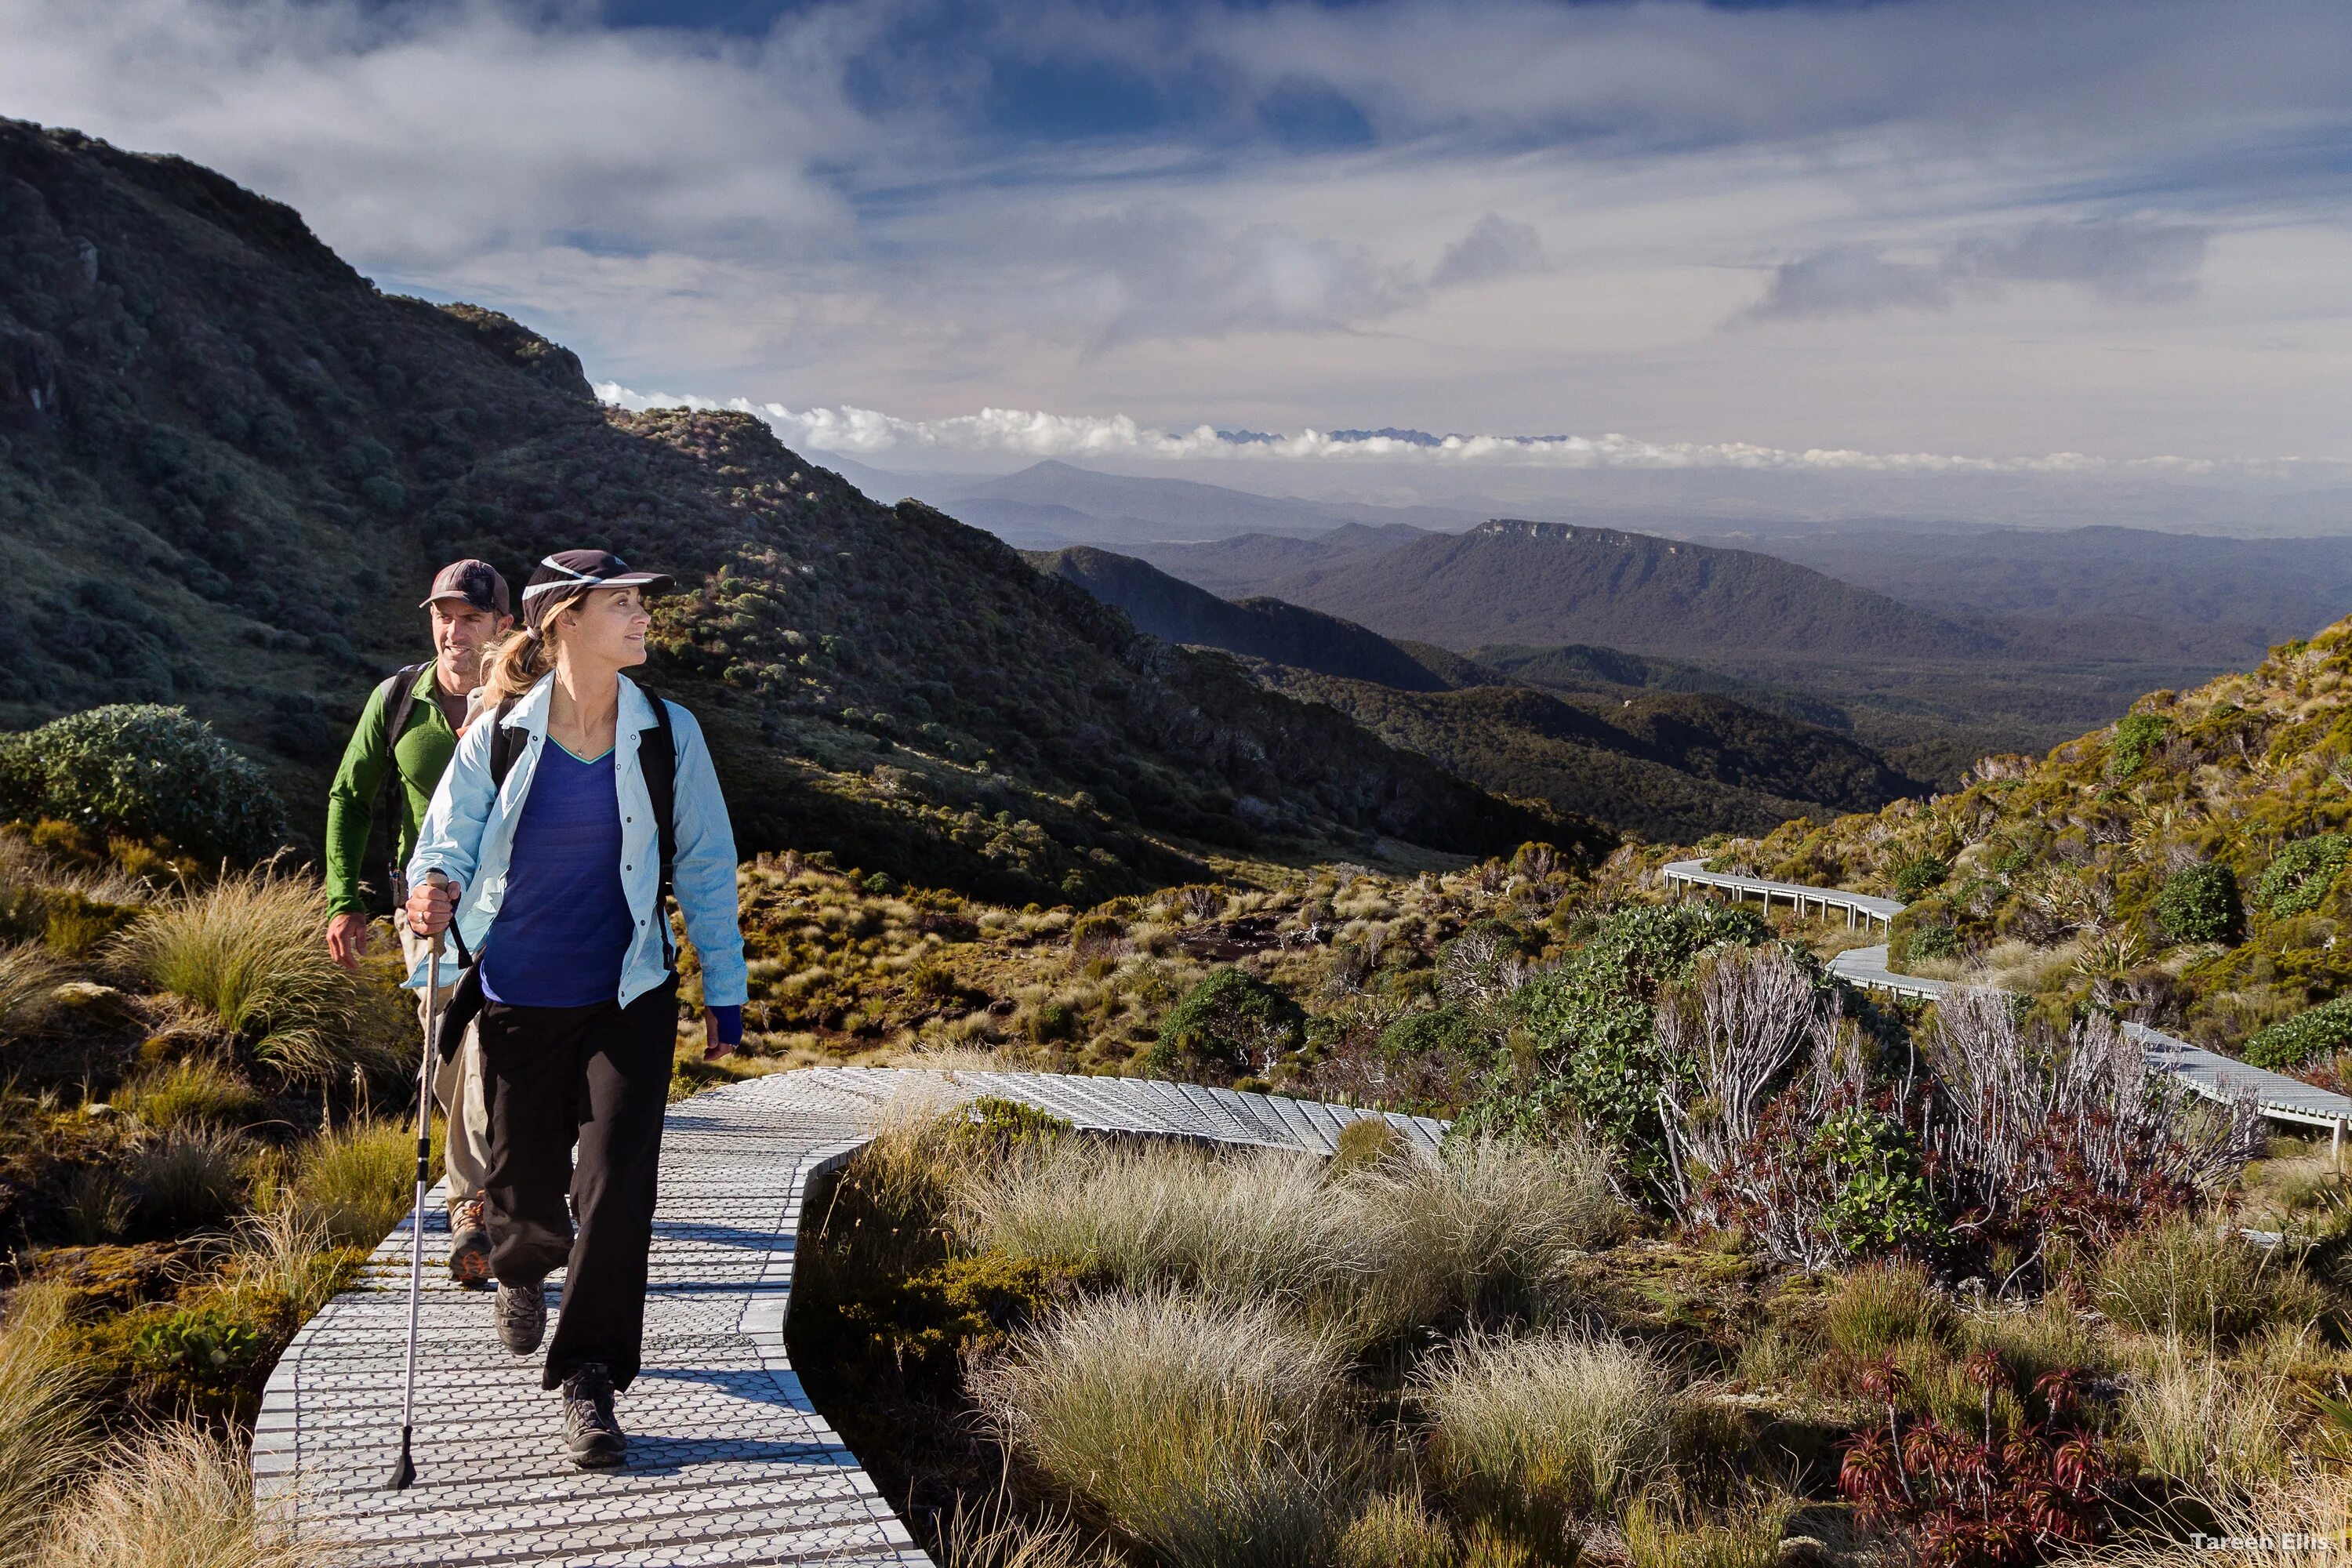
point(729, 1463)
point(2209, 1073)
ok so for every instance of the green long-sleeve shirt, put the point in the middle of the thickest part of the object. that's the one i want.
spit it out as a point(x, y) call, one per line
point(421, 751)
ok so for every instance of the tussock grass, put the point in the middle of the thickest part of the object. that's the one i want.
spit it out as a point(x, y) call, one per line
point(288, 1253)
point(98, 1205)
point(2216, 1427)
point(2188, 1279)
point(1543, 1428)
point(192, 1091)
point(1236, 1227)
point(1665, 1530)
point(353, 1184)
point(28, 978)
point(191, 1178)
point(2042, 1338)
point(1881, 1305)
point(45, 1434)
point(245, 954)
point(172, 1498)
point(1397, 1529)
point(1208, 1433)
point(990, 1535)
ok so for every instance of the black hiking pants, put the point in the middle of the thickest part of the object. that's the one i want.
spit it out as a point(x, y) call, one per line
point(597, 1075)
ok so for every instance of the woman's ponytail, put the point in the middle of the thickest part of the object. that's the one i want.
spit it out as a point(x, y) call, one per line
point(514, 665)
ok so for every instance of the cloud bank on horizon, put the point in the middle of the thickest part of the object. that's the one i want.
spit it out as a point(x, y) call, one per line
point(1792, 235)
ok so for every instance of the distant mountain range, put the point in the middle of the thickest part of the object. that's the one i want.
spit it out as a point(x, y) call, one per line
point(1672, 765)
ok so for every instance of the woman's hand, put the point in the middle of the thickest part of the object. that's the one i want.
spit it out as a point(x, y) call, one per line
point(429, 906)
point(713, 1048)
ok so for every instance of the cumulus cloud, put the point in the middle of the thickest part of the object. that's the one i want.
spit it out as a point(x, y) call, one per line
point(1495, 247)
point(2134, 261)
point(1035, 433)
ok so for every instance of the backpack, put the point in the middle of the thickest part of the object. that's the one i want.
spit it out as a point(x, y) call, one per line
point(400, 690)
point(657, 760)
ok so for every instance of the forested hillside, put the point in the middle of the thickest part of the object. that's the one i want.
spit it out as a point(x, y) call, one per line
point(230, 462)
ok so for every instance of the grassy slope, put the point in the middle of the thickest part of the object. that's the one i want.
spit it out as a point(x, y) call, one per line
point(2057, 864)
point(196, 386)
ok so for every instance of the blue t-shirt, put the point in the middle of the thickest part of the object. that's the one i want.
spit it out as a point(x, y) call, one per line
point(564, 930)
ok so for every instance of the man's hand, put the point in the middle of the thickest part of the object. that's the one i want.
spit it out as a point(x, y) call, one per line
point(713, 1048)
point(428, 907)
point(346, 940)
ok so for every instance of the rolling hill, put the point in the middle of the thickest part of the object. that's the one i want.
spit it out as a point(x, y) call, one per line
point(1661, 763)
point(229, 459)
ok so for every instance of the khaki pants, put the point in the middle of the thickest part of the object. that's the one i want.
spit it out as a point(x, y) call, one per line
point(456, 1088)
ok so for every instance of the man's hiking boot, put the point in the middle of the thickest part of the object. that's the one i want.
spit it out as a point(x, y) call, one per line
point(592, 1437)
point(469, 1245)
point(522, 1313)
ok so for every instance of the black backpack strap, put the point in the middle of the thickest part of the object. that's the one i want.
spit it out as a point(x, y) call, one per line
point(505, 743)
point(399, 690)
point(657, 763)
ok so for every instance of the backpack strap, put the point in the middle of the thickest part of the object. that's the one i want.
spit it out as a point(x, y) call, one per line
point(399, 690)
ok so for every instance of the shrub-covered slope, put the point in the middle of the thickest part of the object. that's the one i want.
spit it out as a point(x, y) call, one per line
point(2183, 864)
point(229, 462)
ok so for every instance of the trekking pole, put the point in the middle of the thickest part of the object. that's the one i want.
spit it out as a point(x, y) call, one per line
point(404, 1470)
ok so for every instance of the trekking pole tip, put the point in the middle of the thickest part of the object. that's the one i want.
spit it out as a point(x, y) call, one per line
point(404, 1470)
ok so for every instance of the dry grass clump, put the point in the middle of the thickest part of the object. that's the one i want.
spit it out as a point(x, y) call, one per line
point(1397, 1529)
point(2188, 1280)
point(172, 1499)
point(45, 1433)
point(353, 1183)
point(1209, 1433)
point(28, 981)
point(991, 1535)
point(1543, 1428)
point(244, 952)
point(2218, 1428)
point(1665, 1530)
point(191, 1091)
point(1241, 1227)
point(1882, 1305)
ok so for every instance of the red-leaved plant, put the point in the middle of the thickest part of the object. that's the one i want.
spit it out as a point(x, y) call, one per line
point(1984, 1499)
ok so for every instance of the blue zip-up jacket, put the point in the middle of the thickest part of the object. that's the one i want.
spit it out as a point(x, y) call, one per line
point(468, 833)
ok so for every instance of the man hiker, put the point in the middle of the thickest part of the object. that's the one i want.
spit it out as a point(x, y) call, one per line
point(408, 730)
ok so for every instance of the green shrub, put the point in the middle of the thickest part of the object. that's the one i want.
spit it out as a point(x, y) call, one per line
point(142, 772)
point(2298, 876)
point(1920, 875)
point(1884, 1202)
point(1436, 1035)
point(2136, 735)
point(1876, 1307)
point(2318, 1032)
point(2200, 903)
point(1232, 1022)
point(1925, 930)
point(924, 1324)
point(1213, 1436)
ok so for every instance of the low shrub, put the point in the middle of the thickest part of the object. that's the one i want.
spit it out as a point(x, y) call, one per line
point(171, 1499)
point(2137, 737)
point(2297, 880)
point(1368, 1144)
point(1231, 1024)
point(921, 1325)
point(1877, 1307)
point(142, 772)
point(2200, 903)
point(1919, 875)
point(1539, 1430)
point(192, 1091)
point(2317, 1032)
point(1212, 1434)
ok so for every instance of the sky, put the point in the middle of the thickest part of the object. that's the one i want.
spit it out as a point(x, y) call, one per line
point(2098, 236)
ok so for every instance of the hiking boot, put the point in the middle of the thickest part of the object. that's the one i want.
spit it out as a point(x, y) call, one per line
point(522, 1313)
point(469, 1245)
point(592, 1437)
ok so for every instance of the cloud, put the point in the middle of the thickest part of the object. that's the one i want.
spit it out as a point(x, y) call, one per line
point(1035, 433)
point(2124, 261)
point(1495, 247)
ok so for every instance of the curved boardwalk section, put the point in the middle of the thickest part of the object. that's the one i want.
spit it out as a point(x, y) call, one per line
point(729, 1463)
point(2209, 1073)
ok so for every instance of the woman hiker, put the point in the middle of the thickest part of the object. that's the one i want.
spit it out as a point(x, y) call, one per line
point(545, 827)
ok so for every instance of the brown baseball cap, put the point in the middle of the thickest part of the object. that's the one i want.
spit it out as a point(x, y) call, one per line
point(476, 581)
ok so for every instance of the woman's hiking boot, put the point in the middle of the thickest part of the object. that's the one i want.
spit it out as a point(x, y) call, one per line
point(591, 1435)
point(469, 1245)
point(522, 1313)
